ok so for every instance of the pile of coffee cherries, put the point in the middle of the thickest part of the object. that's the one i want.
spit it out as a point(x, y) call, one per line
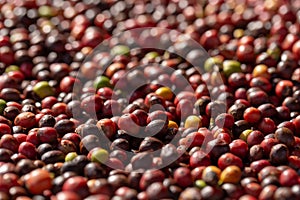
point(147, 100)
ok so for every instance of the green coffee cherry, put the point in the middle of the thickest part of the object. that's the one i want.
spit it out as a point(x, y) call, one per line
point(231, 66)
point(12, 68)
point(2, 105)
point(43, 89)
point(200, 184)
point(151, 55)
point(102, 81)
point(46, 11)
point(99, 155)
point(70, 156)
point(274, 52)
point(120, 50)
point(211, 62)
point(245, 134)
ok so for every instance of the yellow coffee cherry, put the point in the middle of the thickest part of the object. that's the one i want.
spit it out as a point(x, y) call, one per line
point(238, 33)
point(231, 174)
point(211, 175)
point(193, 121)
point(245, 134)
point(212, 168)
point(261, 70)
point(172, 124)
point(165, 93)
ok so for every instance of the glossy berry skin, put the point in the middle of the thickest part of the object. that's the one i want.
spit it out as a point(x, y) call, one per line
point(294, 161)
point(32, 137)
point(183, 177)
point(67, 83)
point(284, 88)
point(255, 137)
point(266, 126)
point(258, 165)
point(38, 180)
point(296, 49)
point(262, 83)
point(20, 137)
point(210, 39)
point(224, 136)
point(7, 181)
point(64, 195)
point(149, 177)
point(4, 129)
point(184, 108)
point(288, 178)
point(195, 139)
point(92, 104)
point(231, 174)
point(268, 171)
point(257, 98)
point(199, 158)
point(77, 184)
point(245, 53)
point(47, 135)
point(285, 135)
point(211, 175)
point(82, 124)
point(28, 150)
point(25, 119)
point(228, 159)
point(129, 123)
point(197, 172)
point(252, 115)
point(108, 126)
point(267, 145)
point(9, 142)
point(224, 120)
point(253, 189)
point(48, 102)
point(239, 148)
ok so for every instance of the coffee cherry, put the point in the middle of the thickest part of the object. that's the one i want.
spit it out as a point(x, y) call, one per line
point(43, 89)
point(231, 174)
point(252, 115)
point(183, 177)
point(285, 136)
point(288, 178)
point(38, 181)
point(224, 120)
point(211, 175)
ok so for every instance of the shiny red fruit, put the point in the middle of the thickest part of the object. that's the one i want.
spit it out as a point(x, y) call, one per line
point(258, 165)
point(77, 184)
point(38, 180)
point(183, 177)
point(267, 126)
point(195, 139)
point(199, 158)
point(25, 119)
point(28, 150)
point(288, 178)
point(239, 148)
point(9, 142)
point(228, 159)
point(252, 115)
point(210, 39)
point(284, 88)
point(4, 129)
point(224, 120)
point(129, 123)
